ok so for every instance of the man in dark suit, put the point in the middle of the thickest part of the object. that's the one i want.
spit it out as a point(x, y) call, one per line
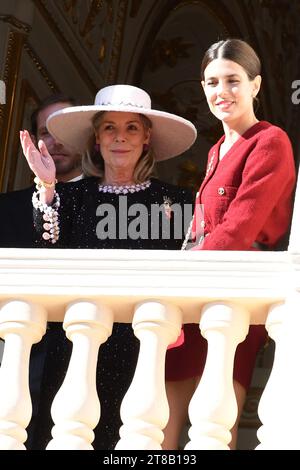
point(16, 206)
point(17, 231)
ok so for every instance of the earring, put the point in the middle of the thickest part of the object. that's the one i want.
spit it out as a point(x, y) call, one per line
point(97, 148)
point(146, 148)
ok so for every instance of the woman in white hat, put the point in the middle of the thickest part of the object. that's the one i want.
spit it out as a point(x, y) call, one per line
point(120, 137)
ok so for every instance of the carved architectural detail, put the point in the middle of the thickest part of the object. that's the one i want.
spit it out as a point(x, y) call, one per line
point(10, 56)
point(89, 23)
point(10, 45)
point(168, 52)
point(11, 68)
point(70, 8)
point(41, 68)
point(117, 41)
point(57, 30)
point(86, 21)
point(13, 21)
point(281, 36)
point(135, 7)
point(27, 102)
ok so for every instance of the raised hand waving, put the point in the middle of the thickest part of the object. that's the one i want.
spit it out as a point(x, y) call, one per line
point(39, 161)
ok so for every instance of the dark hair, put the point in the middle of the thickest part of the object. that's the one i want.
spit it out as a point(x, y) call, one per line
point(52, 99)
point(236, 50)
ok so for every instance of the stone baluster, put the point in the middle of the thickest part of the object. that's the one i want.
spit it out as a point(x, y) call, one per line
point(76, 407)
point(268, 413)
point(145, 410)
point(279, 405)
point(21, 325)
point(213, 408)
point(294, 240)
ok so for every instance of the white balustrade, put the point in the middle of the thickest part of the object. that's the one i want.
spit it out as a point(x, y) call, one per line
point(230, 288)
point(21, 325)
point(213, 408)
point(272, 394)
point(144, 409)
point(279, 410)
point(76, 407)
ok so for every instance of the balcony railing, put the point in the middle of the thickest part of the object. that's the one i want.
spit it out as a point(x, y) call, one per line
point(155, 290)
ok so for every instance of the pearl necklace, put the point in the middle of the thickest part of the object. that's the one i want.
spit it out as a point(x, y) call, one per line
point(124, 189)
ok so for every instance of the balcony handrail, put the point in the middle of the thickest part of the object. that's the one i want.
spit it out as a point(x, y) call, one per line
point(155, 290)
point(123, 277)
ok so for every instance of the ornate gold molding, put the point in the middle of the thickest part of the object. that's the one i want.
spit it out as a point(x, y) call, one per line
point(11, 69)
point(117, 41)
point(25, 96)
point(13, 21)
point(70, 7)
point(215, 8)
point(218, 11)
point(65, 44)
point(283, 63)
point(89, 23)
point(41, 68)
point(135, 7)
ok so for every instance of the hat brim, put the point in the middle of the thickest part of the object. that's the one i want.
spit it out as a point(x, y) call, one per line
point(171, 134)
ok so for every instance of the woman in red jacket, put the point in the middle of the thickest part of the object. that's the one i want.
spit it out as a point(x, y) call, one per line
point(247, 199)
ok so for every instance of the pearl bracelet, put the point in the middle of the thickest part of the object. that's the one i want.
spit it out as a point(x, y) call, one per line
point(41, 186)
point(50, 216)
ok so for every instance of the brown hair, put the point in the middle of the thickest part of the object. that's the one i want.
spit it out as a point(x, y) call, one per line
point(236, 50)
point(93, 163)
point(51, 99)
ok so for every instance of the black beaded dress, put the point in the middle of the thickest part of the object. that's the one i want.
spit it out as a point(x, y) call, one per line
point(79, 221)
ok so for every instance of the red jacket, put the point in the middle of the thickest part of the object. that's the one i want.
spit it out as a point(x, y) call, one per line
point(247, 196)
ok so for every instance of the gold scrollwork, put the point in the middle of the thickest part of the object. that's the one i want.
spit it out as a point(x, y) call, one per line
point(41, 68)
point(13, 21)
point(27, 102)
point(89, 23)
point(11, 68)
point(102, 50)
point(168, 52)
point(117, 41)
point(70, 8)
point(135, 7)
point(60, 35)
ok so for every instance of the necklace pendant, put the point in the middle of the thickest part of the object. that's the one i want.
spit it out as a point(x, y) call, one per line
point(167, 207)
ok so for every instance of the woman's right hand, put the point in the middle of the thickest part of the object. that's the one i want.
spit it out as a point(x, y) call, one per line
point(40, 161)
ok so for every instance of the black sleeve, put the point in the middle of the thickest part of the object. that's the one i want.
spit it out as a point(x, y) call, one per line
point(16, 227)
point(70, 199)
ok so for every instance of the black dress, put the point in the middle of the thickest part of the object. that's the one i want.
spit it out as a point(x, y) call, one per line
point(16, 219)
point(17, 232)
point(81, 227)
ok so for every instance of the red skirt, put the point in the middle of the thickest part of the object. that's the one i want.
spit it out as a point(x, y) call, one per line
point(188, 360)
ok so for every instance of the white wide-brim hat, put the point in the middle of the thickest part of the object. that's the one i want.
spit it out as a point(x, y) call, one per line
point(171, 135)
